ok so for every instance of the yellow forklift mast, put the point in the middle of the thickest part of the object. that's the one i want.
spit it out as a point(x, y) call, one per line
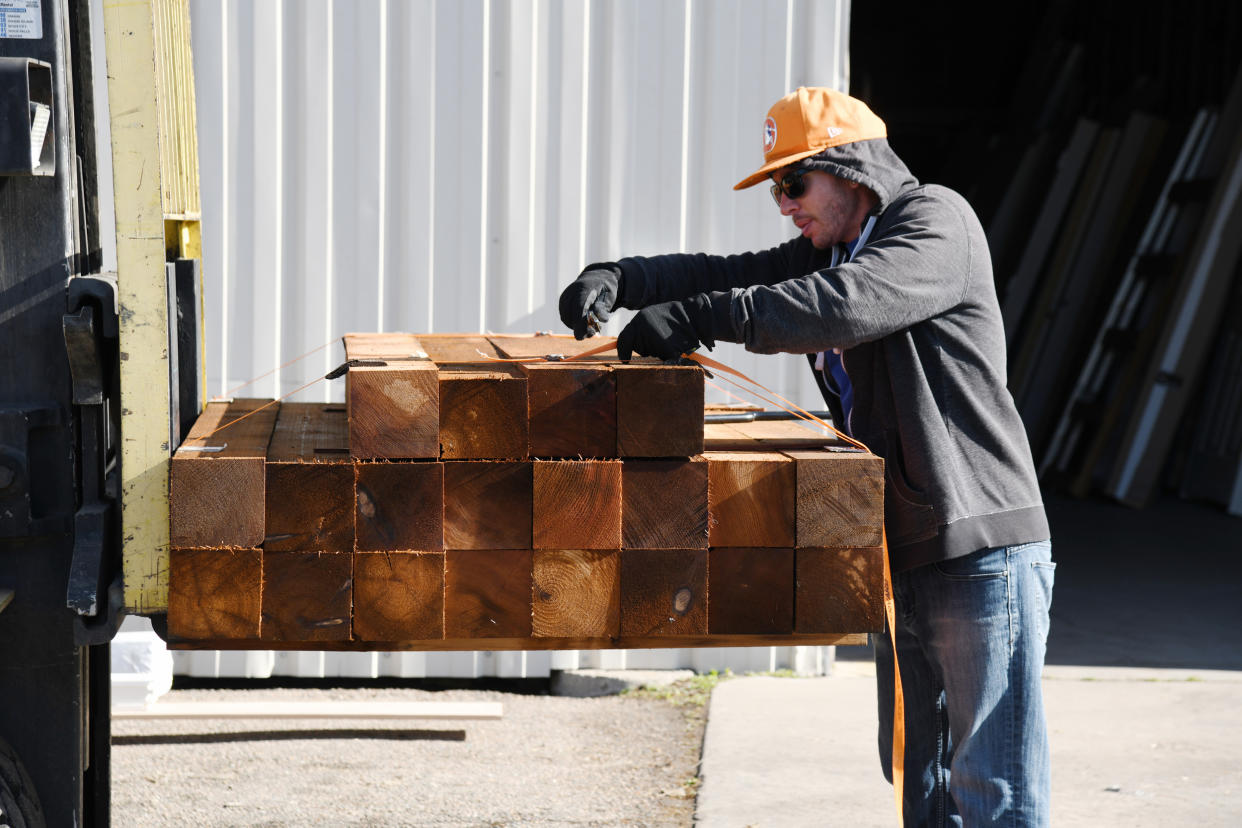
point(155, 178)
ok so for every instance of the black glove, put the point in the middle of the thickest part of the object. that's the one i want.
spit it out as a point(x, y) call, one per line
point(591, 298)
point(670, 329)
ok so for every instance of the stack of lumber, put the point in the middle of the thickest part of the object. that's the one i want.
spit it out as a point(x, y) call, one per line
point(459, 503)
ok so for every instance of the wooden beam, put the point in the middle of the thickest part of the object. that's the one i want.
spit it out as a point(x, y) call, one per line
point(572, 406)
point(307, 596)
point(394, 408)
point(487, 593)
point(664, 504)
point(524, 346)
point(659, 410)
point(766, 435)
point(751, 499)
point(215, 593)
point(454, 349)
point(577, 593)
point(398, 596)
point(840, 498)
point(483, 413)
point(622, 642)
point(572, 409)
point(752, 591)
point(839, 589)
point(663, 592)
point(482, 403)
point(400, 506)
point(217, 482)
point(382, 346)
point(311, 478)
point(487, 505)
point(309, 433)
point(577, 504)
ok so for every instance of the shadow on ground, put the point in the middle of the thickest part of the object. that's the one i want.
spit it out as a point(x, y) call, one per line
point(1157, 588)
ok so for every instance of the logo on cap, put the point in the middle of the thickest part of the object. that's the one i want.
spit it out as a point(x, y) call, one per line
point(833, 132)
point(769, 134)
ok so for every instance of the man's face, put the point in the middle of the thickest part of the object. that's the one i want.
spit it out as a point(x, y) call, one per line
point(829, 212)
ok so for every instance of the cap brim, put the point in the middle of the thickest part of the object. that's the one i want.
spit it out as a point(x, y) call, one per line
point(772, 166)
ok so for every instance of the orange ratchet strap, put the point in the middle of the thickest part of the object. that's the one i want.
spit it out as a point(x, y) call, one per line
point(890, 607)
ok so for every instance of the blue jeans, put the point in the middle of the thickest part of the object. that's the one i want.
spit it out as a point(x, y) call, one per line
point(971, 635)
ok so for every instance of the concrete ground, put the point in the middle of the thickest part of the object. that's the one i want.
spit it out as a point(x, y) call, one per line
point(1143, 688)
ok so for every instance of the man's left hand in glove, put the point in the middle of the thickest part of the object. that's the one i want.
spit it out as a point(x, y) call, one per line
point(670, 329)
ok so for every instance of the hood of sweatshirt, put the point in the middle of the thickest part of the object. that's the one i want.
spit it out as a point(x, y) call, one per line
point(871, 163)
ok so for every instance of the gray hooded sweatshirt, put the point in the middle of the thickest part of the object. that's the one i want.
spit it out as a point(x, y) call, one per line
point(916, 316)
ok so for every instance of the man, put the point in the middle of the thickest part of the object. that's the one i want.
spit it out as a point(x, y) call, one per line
point(889, 285)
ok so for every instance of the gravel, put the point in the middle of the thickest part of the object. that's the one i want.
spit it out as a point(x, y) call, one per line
point(613, 760)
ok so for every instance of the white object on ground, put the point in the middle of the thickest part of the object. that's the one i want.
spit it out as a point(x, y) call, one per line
point(142, 667)
point(314, 710)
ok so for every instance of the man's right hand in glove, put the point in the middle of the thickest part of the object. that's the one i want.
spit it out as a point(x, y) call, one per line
point(591, 298)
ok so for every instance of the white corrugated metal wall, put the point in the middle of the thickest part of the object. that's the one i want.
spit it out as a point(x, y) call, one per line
point(449, 165)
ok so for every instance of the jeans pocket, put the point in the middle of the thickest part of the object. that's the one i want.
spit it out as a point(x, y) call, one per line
point(1045, 571)
point(977, 566)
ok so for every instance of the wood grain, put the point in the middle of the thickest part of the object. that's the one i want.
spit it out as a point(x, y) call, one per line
point(839, 590)
point(311, 506)
point(577, 593)
point(307, 596)
point(483, 413)
point(215, 593)
point(487, 593)
point(663, 592)
point(388, 345)
point(659, 410)
point(310, 433)
point(487, 505)
point(398, 596)
point(751, 499)
point(664, 504)
point(572, 409)
point(394, 410)
point(216, 496)
point(766, 435)
point(752, 591)
point(840, 498)
point(577, 504)
point(310, 480)
point(519, 346)
point(400, 505)
point(451, 349)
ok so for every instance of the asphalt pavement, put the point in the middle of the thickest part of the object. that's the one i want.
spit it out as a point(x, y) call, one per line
point(1143, 688)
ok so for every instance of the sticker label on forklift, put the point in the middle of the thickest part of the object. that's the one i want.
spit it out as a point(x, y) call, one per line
point(21, 19)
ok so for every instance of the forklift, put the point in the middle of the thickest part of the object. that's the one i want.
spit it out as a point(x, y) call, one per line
point(98, 374)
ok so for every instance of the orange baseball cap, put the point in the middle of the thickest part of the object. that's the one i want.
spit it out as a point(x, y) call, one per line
point(807, 121)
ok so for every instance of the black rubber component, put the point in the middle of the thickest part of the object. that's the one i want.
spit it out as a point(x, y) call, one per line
point(19, 804)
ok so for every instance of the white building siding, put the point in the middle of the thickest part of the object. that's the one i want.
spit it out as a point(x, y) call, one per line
point(449, 165)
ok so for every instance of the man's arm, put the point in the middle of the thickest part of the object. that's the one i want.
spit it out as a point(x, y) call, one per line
point(918, 269)
point(638, 282)
point(648, 280)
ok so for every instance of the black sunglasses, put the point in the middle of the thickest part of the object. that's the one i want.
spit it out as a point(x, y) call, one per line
point(791, 184)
